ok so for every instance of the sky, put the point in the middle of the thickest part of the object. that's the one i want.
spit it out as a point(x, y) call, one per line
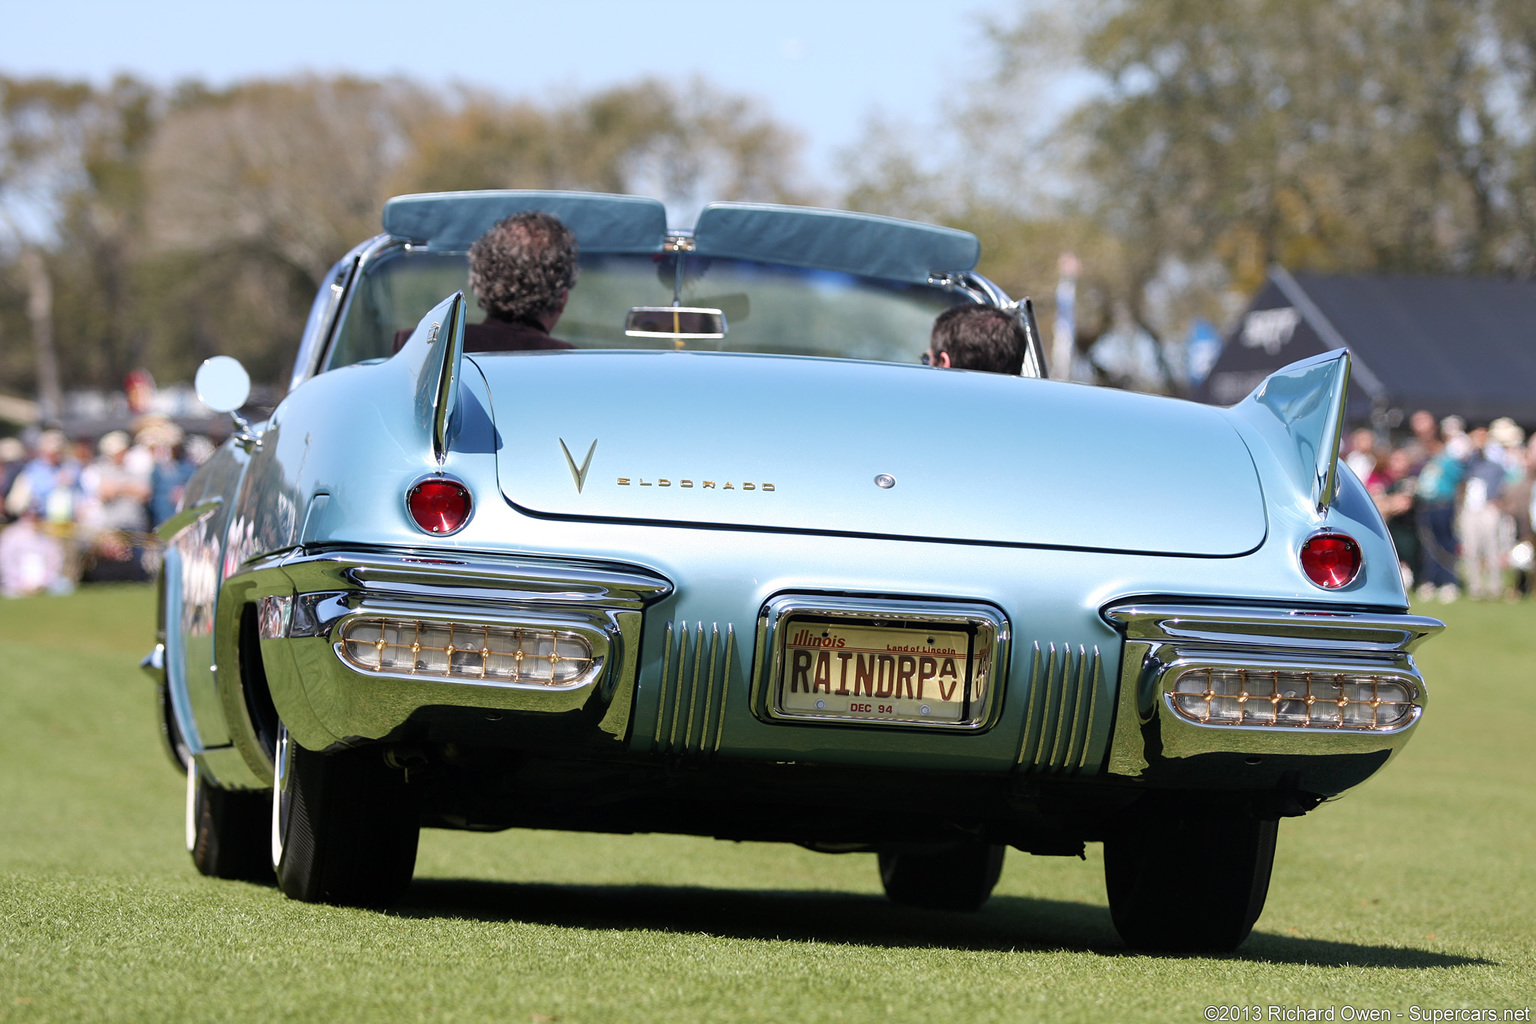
point(821, 68)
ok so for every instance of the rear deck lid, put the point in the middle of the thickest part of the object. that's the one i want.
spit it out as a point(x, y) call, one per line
point(821, 445)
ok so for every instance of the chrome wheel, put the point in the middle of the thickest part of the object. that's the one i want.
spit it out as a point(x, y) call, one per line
point(280, 798)
point(191, 816)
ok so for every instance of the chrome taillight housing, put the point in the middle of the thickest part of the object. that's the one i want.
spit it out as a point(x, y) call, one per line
point(439, 505)
point(1331, 560)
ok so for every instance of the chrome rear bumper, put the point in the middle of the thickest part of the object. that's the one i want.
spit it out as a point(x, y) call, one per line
point(1298, 660)
point(328, 690)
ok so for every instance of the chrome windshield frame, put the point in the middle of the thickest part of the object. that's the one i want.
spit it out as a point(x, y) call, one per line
point(316, 350)
point(315, 346)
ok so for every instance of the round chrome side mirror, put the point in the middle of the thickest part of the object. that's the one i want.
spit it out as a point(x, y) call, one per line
point(222, 384)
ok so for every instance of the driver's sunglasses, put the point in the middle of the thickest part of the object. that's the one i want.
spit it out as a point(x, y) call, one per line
point(927, 358)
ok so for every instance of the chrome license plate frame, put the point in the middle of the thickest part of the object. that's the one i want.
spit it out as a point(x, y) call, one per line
point(883, 663)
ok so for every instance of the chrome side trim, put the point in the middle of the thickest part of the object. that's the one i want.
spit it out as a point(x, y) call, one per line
point(1034, 348)
point(1263, 628)
point(1082, 711)
point(661, 696)
point(725, 687)
point(438, 374)
point(972, 281)
point(315, 350)
point(1326, 485)
point(433, 578)
point(1034, 709)
point(706, 677)
point(1063, 702)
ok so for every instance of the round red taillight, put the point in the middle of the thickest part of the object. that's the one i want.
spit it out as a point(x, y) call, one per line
point(1331, 560)
point(439, 505)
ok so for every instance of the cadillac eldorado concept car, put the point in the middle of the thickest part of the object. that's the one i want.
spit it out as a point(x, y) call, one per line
point(754, 573)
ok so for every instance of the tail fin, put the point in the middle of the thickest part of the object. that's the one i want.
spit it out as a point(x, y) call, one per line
point(435, 353)
point(1299, 411)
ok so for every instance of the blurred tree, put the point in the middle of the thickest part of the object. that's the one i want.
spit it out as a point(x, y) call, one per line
point(99, 312)
point(253, 192)
point(1374, 134)
point(1209, 141)
point(43, 123)
point(145, 227)
point(1000, 165)
point(683, 147)
point(70, 221)
point(288, 171)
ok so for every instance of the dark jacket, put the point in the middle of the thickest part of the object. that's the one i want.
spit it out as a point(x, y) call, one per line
point(498, 336)
point(506, 336)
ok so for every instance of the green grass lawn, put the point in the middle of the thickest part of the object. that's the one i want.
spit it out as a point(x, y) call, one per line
point(1415, 890)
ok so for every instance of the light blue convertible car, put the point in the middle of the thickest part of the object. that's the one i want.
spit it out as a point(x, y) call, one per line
point(754, 572)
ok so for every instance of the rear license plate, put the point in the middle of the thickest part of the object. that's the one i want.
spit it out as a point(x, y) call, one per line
point(883, 670)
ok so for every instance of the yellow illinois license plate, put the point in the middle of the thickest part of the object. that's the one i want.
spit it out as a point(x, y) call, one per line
point(908, 673)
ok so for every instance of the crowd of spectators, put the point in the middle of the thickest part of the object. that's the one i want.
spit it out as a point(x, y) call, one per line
point(75, 510)
point(1457, 503)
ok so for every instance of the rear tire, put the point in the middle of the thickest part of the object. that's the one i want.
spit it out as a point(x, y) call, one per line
point(344, 827)
point(957, 877)
point(227, 830)
point(1187, 884)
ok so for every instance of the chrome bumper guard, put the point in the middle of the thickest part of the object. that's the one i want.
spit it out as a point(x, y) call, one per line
point(1262, 682)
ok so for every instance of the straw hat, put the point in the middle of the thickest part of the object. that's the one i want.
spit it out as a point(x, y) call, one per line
point(113, 444)
point(1506, 432)
point(157, 431)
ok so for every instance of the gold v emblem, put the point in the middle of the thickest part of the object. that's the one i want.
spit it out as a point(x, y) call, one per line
point(579, 475)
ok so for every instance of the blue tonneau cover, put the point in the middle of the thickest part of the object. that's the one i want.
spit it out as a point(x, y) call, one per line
point(855, 243)
point(797, 236)
point(451, 221)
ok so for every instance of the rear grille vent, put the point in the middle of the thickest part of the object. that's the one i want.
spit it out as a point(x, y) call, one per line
point(695, 678)
point(1063, 698)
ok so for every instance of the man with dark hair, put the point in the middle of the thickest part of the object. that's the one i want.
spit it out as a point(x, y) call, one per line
point(522, 271)
point(974, 336)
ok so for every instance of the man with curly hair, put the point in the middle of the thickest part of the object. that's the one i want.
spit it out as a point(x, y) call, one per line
point(522, 271)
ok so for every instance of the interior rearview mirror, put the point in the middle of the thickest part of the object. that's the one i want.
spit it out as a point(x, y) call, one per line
point(674, 322)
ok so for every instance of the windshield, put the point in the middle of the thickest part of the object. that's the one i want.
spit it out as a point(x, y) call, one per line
point(767, 307)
